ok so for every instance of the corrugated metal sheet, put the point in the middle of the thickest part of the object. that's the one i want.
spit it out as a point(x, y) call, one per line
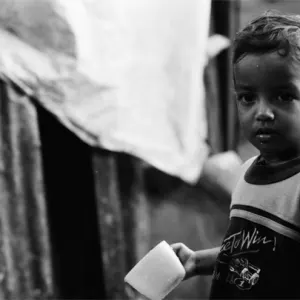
point(25, 259)
point(40, 208)
point(123, 218)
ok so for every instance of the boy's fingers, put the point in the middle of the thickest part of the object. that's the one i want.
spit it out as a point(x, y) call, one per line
point(182, 251)
point(176, 247)
point(180, 246)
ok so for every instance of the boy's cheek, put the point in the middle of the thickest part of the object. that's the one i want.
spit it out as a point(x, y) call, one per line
point(246, 128)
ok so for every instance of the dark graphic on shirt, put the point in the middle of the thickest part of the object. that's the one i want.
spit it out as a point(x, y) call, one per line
point(241, 273)
point(234, 263)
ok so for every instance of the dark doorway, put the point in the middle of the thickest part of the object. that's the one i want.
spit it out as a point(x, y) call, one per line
point(72, 212)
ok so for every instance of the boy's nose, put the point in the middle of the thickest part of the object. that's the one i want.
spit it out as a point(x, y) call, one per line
point(264, 112)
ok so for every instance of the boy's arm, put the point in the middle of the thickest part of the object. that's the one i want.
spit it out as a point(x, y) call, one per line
point(205, 261)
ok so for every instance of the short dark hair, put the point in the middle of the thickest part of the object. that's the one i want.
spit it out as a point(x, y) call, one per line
point(272, 31)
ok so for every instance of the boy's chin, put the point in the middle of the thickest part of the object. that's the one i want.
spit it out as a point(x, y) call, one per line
point(267, 145)
point(269, 149)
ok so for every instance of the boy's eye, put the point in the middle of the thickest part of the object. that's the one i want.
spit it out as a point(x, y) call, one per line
point(285, 97)
point(246, 98)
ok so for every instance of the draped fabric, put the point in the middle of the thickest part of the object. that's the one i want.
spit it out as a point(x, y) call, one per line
point(126, 76)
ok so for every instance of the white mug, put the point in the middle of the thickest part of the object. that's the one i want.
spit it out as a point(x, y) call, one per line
point(157, 273)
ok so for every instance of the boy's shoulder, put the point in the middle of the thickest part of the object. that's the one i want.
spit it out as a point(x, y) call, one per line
point(246, 165)
point(249, 162)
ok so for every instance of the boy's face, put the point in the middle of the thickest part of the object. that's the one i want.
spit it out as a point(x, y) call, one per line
point(268, 101)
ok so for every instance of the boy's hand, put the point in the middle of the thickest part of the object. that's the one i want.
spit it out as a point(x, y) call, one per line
point(187, 258)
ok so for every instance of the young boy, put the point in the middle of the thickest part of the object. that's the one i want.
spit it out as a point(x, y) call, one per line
point(260, 254)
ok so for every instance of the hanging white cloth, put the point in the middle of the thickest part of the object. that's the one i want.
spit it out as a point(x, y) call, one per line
point(122, 75)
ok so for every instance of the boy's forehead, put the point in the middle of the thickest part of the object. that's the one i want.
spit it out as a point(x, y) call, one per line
point(271, 68)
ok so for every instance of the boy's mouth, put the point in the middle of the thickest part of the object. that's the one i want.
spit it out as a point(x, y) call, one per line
point(265, 134)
